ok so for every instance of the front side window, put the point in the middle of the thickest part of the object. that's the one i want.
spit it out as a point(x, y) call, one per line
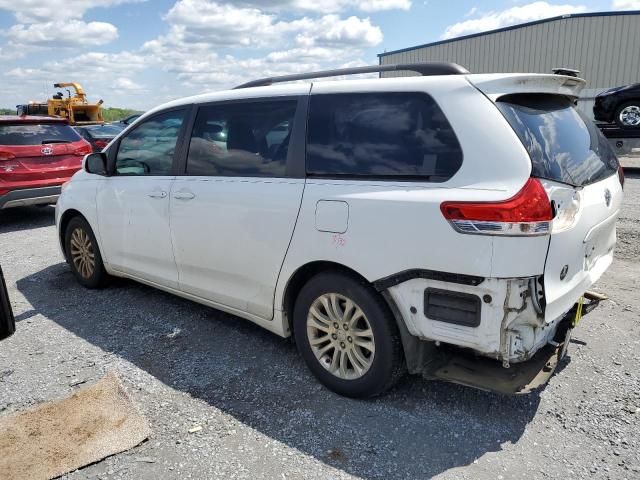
point(149, 149)
point(385, 135)
point(247, 139)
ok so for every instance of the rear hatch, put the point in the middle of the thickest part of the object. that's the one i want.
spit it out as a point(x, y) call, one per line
point(581, 176)
point(39, 154)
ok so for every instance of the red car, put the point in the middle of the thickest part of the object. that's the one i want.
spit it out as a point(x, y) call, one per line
point(37, 155)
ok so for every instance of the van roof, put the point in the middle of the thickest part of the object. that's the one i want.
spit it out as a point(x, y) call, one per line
point(493, 85)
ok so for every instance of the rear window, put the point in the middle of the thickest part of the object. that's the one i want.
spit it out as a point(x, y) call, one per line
point(37, 134)
point(564, 145)
point(382, 135)
point(104, 131)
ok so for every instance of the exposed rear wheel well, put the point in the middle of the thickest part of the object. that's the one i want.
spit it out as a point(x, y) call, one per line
point(302, 276)
point(64, 221)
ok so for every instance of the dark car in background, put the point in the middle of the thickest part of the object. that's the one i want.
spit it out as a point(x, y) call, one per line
point(99, 136)
point(37, 155)
point(620, 105)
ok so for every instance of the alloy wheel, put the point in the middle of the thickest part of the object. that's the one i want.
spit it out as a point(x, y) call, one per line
point(630, 116)
point(340, 336)
point(82, 253)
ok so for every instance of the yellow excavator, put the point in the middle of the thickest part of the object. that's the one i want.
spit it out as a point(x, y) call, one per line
point(74, 108)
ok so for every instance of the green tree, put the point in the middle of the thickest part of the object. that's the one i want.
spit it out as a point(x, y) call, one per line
point(113, 114)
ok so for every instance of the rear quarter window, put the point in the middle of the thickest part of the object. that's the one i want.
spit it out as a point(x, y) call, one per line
point(37, 134)
point(381, 135)
point(564, 145)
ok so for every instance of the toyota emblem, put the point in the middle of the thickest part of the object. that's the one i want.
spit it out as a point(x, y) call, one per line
point(607, 197)
point(47, 150)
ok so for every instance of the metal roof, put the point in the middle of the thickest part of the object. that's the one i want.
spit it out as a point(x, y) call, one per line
point(514, 27)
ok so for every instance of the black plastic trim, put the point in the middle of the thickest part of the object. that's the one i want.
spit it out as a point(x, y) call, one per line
point(457, 308)
point(424, 69)
point(401, 277)
point(26, 193)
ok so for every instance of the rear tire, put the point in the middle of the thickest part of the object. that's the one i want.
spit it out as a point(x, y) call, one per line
point(628, 115)
point(347, 336)
point(83, 254)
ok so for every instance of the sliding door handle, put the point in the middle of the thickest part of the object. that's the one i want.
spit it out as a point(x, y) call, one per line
point(158, 194)
point(184, 195)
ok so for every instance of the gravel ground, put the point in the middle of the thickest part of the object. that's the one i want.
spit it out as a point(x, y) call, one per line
point(264, 416)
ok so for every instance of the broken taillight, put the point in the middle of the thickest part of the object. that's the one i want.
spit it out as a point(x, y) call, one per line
point(527, 213)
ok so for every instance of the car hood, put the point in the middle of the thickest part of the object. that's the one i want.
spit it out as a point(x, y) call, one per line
point(614, 90)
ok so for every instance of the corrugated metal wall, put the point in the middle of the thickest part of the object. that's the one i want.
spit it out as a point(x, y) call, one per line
point(606, 50)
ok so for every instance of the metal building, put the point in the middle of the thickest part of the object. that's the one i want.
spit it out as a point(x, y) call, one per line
point(605, 47)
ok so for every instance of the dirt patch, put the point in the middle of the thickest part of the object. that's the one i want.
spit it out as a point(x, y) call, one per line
point(61, 436)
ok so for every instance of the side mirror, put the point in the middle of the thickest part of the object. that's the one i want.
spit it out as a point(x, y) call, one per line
point(96, 163)
point(7, 320)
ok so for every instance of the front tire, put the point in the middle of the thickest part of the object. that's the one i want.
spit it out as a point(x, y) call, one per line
point(83, 254)
point(347, 336)
point(628, 115)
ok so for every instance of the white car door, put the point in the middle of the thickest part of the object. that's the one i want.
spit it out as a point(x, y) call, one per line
point(133, 204)
point(234, 210)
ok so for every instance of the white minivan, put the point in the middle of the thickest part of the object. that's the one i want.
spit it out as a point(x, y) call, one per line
point(446, 224)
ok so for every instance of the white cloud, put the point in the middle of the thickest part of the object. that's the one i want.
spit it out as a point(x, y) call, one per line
point(626, 5)
point(379, 5)
point(207, 45)
point(50, 33)
point(38, 11)
point(201, 32)
point(207, 22)
point(331, 30)
point(511, 16)
point(329, 6)
point(124, 83)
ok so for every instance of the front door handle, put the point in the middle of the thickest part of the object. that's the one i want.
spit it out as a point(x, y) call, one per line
point(158, 194)
point(184, 195)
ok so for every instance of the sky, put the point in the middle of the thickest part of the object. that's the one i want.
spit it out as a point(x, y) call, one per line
point(141, 53)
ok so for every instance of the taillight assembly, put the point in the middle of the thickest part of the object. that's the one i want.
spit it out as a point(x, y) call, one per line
point(621, 175)
point(528, 213)
point(84, 149)
point(101, 143)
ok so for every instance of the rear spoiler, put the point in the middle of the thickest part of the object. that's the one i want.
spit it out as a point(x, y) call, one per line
point(498, 85)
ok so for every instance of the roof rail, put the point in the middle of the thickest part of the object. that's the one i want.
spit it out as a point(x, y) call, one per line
point(424, 69)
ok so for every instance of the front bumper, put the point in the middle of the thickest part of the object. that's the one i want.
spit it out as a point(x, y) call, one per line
point(30, 196)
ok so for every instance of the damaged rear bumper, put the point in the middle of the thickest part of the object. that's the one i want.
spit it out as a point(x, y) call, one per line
point(520, 378)
point(467, 366)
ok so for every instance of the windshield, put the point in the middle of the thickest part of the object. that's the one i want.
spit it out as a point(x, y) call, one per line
point(37, 134)
point(564, 145)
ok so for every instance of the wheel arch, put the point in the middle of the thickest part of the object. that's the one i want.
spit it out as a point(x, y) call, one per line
point(65, 218)
point(302, 275)
point(417, 353)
